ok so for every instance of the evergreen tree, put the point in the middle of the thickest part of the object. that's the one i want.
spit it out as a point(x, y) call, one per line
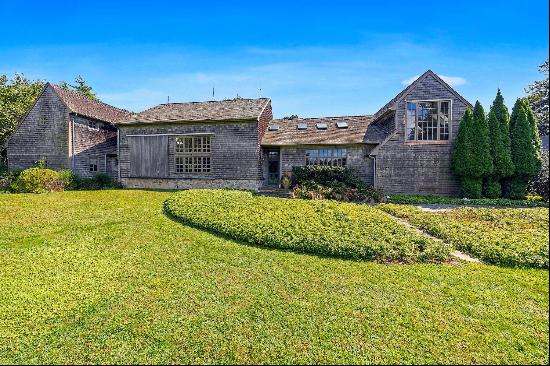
point(524, 155)
point(500, 146)
point(472, 158)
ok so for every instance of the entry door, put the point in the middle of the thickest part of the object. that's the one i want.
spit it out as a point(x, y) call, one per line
point(273, 167)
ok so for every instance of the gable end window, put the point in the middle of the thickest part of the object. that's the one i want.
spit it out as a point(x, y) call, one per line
point(428, 120)
point(93, 124)
point(192, 154)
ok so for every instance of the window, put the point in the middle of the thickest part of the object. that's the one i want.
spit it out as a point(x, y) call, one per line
point(193, 154)
point(333, 157)
point(428, 120)
point(92, 124)
point(43, 120)
point(92, 164)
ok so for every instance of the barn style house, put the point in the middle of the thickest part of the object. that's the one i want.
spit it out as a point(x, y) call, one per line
point(405, 147)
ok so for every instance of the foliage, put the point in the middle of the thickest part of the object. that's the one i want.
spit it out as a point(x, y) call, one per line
point(99, 181)
point(103, 277)
point(37, 180)
point(331, 182)
point(81, 87)
point(68, 179)
point(472, 160)
point(16, 98)
point(525, 157)
point(512, 237)
point(539, 184)
point(499, 136)
point(537, 95)
point(6, 180)
point(531, 201)
point(318, 227)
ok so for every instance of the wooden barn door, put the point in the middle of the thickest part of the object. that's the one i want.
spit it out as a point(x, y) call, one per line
point(148, 156)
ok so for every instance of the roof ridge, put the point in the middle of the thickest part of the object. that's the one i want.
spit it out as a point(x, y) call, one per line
point(85, 97)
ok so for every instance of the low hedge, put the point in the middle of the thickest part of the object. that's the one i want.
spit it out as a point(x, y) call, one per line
point(319, 227)
point(531, 201)
point(516, 237)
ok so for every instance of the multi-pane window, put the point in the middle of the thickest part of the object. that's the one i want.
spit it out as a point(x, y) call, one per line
point(333, 157)
point(92, 124)
point(92, 165)
point(193, 154)
point(428, 120)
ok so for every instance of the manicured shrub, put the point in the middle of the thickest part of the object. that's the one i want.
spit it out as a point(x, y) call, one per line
point(331, 182)
point(492, 187)
point(471, 187)
point(531, 201)
point(319, 227)
point(525, 156)
point(37, 180)
point(68, 179)
point(515, 237)
point(472, 160)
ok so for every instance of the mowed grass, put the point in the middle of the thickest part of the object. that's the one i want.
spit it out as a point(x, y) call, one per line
point(106, 277)
point(503, 236)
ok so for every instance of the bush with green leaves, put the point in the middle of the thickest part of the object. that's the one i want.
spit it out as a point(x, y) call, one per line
point(525, 155)
point(539, 184)
point(319, 227)
point(37, 180)
point(531, 201)
point(99, 181)
point(516, 237)
point(331, 182)
point(472, 160)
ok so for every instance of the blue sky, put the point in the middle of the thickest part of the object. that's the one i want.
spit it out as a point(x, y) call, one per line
point(312, 58)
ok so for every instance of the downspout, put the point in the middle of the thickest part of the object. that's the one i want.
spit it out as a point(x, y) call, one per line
point(118, 152)
point(72, 144)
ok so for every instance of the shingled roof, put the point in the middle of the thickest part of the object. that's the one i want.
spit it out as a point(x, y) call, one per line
point(92, 108)
point(359, 130)
point(223, 110)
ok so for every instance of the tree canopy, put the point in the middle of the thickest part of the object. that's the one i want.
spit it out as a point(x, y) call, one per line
point(80, 87)
point(537, 94)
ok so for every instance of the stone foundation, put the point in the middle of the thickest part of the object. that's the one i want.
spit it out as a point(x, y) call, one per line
point(160, 183)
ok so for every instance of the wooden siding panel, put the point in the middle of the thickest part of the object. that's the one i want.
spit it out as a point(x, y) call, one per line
point(148, 156)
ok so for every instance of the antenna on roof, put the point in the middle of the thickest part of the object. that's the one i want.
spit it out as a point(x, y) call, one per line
point(213, 93)
point(260, 89)
point(168, 100)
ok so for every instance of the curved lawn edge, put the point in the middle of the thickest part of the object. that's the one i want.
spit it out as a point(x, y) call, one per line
point(324, 228)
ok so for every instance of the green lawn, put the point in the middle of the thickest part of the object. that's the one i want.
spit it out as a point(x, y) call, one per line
point(106, 277)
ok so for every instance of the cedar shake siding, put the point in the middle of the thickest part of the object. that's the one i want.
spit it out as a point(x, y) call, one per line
point(42, 135)
point(234, 157)
point(68, 131)
point(420, 167)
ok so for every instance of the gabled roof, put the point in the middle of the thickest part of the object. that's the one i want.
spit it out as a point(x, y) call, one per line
point(223, 110)
point(392, 104)
point(87, 107)
point(288, 133)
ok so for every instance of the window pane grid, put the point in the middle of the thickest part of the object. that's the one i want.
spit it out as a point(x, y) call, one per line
point(428, 120)
point(330, 157)
point(193, 154)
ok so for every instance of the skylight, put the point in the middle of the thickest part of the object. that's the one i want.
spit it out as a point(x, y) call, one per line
point(273, 127)
point(302, 126)
point(341, 124)
point(321, 126)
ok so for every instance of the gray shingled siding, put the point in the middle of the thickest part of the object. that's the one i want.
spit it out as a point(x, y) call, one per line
point(93, 143)
point(234, 153)
point(419, 168)
point(37, 138)
point(356, 159)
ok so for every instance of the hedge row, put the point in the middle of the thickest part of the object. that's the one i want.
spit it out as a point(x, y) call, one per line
point(320, 227)
point(512, 237)
point(534, 201)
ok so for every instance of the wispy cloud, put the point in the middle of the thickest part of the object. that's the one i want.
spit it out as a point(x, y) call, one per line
point(451, 80)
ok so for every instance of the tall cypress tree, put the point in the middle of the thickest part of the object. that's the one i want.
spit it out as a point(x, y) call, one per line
point(524, 154)
point(472, 158)
point(535, 132)
point(500, 145)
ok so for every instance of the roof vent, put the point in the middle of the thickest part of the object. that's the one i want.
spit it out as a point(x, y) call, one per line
point(302, 126)
point(273, 128)
point(321, 126)
point(342, 124)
